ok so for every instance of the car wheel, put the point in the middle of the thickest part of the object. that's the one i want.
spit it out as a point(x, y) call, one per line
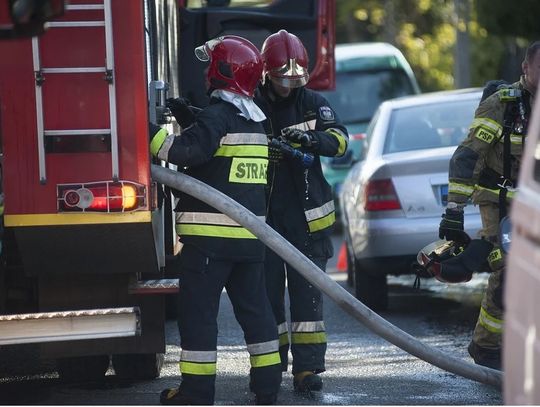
point(143, 366)
point(371, 289)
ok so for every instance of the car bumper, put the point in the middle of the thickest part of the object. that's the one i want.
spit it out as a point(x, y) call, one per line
point(379, 238)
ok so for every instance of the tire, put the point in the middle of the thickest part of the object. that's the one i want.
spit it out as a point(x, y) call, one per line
point(138, 366)
point(371, 289)
point(83, 368)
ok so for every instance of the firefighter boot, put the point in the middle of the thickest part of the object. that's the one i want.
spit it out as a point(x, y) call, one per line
point(485, 356)
point(174, 397)
point(307, 381)
point(265, 399)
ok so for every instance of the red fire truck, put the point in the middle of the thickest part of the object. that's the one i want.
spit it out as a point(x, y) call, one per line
point(86, 232)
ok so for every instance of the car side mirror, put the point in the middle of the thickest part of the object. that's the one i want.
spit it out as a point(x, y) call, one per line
point(345, 161)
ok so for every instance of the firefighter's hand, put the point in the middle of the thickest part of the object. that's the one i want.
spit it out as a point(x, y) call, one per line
point(305, 139)
point(451, 226)
point(180, 109)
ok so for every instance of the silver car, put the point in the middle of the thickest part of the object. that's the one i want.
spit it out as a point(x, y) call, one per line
point(393, 199)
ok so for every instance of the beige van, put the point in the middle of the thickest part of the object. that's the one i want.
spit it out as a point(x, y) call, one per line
point(521, 342)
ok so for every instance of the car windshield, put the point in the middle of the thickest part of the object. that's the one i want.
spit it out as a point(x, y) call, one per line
point(432, 125)
point(359, 93)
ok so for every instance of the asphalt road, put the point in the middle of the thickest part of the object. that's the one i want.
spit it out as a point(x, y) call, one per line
point(362, 369)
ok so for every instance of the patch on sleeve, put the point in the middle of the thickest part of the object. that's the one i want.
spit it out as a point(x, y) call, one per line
point(485, 134)
point(326, 113)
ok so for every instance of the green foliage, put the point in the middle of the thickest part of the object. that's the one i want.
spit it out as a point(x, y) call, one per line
point(425, 31)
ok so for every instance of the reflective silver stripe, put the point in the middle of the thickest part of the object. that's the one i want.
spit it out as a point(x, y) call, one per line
point(208, 218)
point(337, 131)
point(244, 138)
point(309, 125)
point(200, 356)
point(516, 139)
point(163, 153)
point(489, 322)
point(321, 211)
point(485, 122)
point(282, 328)
point(263, 347)
point(307, 326)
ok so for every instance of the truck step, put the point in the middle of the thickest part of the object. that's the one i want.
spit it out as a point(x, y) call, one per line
point(162, 286)
point(69, 325)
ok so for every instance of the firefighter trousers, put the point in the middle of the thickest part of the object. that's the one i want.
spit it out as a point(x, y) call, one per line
point(308, 335)
point(488, 330)
point(201, 283)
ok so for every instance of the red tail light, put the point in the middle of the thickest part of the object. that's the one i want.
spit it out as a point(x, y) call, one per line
point(106, 196)
point(357, 136)
point(381, 196)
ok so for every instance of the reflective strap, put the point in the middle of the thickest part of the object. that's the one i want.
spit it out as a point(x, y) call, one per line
point(307, 326)
point(263, 347)
point(509, 194)
point(305, 126)
point(229, 232)
point(283, 334)
point(265, 360)
point(248, 170)
point(341, 138)
point(244, 138)
point(460, 189)
point(208, 218)
point(489, 322)
point(490, 125)
point(516, 139)
point(200, 369)
point(157, 141)
point(200, 356)
point(323, 223)
point(200, 363)
point(308, 337)
point(163, 153)
point(282, 328)
point(242, 151)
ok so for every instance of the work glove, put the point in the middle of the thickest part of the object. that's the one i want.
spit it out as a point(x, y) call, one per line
point(181, 109)
point(451, 226)
point(304, 138)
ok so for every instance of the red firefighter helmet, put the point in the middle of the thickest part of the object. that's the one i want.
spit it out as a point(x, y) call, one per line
point(285, 60)
point(454, 262)
point(235, 64)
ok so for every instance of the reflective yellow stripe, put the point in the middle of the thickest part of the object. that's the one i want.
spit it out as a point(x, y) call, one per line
point(248, 170)
point(87, 218)
point(214, 231)
point(265, 360)
point(201, 369)
point(157, 141)
point(516, 139)
point(342, 140)
point(490, 125)
point(323, 223)
point(308, 337)
point(489, 322)
point(461, 189)
point(283, 339)
point(484, 134)
point(242, 151)
point(509, 194)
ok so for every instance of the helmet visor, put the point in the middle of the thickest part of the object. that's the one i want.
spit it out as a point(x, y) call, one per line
point(204, 51)
point(290, 75)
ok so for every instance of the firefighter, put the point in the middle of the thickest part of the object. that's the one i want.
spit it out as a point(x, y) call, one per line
point(484, 169)
point(303, 126)
point(226, 148)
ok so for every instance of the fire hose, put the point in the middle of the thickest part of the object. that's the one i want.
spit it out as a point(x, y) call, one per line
point(322, 281)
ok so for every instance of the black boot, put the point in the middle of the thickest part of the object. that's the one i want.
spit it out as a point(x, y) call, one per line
point(485, 356)
point(307, 381)
point(266, 399)
point(174, 397)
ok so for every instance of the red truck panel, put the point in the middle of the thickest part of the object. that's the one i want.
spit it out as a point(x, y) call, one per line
point(73, 101)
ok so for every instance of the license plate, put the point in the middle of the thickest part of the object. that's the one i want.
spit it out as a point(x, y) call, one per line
point(444, 194)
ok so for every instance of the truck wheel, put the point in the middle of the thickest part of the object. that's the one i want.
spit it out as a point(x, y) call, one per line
point(82, 368)
point(371, 289)
point(138, 366)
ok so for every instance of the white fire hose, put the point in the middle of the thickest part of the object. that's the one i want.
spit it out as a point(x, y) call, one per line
point(321, 280)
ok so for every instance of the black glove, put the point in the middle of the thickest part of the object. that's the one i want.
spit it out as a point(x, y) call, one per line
point(305, 139)
point(451, 226)
point(181, 109)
